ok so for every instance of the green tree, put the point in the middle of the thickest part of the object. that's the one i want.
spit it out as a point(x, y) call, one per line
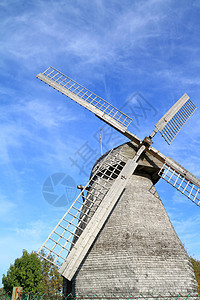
point(51, 278)
point(25, 272)
point(2, 291)
point(196, 267)
point(34, 274)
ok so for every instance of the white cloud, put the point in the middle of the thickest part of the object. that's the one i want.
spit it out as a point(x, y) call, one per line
point(7, 207)
point(95, 34)
point(30, 236)
point(22, 123)
point(186, 227)
point(11, 136)
point(44, 114)
point(32, 233)
point(178, 76)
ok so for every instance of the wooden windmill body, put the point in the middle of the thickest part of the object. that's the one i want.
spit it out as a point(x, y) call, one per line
point(119, 240)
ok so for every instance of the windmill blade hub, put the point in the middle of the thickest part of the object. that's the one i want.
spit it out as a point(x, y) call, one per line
point(147, 141)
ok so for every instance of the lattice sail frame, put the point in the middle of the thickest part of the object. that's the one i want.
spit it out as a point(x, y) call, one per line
point(86, 98)
point(66, 233)
point(182, 180)
point(173, 127)
point(172, 122)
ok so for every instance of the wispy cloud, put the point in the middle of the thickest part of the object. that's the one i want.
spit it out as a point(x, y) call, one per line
point(105, 38)
point(21, 123)
point(44, 114)
point(28, 236)
point(188, 234)
point(7, 207)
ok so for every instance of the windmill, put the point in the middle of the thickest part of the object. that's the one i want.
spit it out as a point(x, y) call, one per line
point(116, 237)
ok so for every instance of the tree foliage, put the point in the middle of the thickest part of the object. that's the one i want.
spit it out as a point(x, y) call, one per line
point(2, 291)
point(51, 278)
point(25, 272)
point(196, 267)
point(34, 274)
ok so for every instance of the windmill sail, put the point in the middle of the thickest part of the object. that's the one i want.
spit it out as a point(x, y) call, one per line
point(74, 234)
point(91, 231)
point(181, 179)
point(100, 107)
point(70, 227)
point(172, 122)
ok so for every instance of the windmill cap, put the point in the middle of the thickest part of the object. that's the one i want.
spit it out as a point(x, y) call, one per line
point(147, 164)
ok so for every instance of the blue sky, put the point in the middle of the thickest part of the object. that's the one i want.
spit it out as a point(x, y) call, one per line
point(130, 53)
